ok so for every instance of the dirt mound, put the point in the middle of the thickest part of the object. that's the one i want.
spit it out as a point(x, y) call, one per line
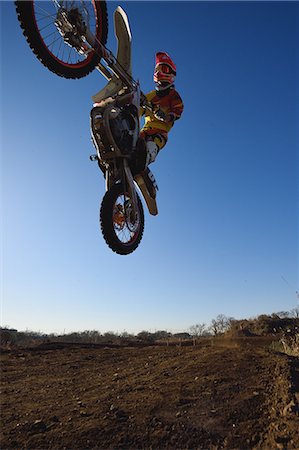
point(216, 395)
point(263, 325)
point(239, 333)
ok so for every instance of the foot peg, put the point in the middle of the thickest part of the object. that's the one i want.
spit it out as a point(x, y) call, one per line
point(93, 157)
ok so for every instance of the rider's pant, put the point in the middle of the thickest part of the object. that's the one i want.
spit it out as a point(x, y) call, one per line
point(151, 141)
point(153, 134)
point(155, 140)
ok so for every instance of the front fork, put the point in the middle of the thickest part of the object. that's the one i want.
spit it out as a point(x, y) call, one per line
point(129, 181)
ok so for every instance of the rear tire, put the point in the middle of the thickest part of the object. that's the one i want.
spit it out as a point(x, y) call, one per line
point(37, 20)
point(121, 233)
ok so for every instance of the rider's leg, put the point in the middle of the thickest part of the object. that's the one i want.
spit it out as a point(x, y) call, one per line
point(152, 150)
point(154, 143)
point(155, 140)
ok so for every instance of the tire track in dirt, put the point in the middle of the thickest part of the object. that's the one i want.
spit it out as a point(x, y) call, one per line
point(283, 431)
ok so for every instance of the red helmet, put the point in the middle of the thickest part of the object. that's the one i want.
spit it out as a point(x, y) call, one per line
point(165, 71)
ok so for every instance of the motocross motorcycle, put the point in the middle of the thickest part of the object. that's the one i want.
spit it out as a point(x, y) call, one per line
point(69, 37)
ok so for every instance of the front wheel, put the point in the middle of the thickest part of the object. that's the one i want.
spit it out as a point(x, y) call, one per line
point(121, 228)
point(54, 31)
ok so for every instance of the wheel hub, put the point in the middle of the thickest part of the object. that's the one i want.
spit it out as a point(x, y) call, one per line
point(72, 27)
point(123, 215)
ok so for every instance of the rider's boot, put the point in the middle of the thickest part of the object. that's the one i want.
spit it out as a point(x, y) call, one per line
point(151, 153)
point(152, 150)
point(146, 152)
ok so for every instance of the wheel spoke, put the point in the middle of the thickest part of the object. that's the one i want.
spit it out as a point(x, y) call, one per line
point(127, 231)
point(43, 18)
point(57, 4)
point(53, 42)
point(44, 11)
point(51, 34)
point(46, 16)
point(48, 25)
point(59, 48)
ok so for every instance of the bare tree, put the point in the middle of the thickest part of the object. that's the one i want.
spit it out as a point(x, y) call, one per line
point(282, 314)
point(215, 327)
point(145, 336)
point(126, 335)
point(221, 324)
point(295, 312)
point(198, 330)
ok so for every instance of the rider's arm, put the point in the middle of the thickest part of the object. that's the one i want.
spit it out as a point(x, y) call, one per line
point(176, 106)
point(144, 100)
point(173, 111)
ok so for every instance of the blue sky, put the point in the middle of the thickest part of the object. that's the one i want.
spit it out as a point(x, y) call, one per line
point(226, 237)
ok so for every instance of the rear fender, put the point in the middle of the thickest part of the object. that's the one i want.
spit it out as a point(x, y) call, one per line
point(124, 58)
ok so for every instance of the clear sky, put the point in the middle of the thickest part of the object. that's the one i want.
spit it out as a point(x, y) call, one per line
point(226, 237)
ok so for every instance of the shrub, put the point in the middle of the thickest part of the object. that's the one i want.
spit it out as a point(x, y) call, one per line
point(290, 344)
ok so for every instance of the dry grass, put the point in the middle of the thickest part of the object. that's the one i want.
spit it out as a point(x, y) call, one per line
point(288, 344)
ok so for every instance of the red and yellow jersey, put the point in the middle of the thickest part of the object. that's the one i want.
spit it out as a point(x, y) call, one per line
point(171, 103)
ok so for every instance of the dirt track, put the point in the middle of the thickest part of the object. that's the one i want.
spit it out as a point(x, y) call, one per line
point(232, 394)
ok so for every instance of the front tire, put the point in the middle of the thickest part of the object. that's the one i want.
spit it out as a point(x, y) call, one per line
point(38, 22)
point(121, 231)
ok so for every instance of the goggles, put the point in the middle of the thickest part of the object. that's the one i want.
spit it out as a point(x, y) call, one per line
point(164, 68)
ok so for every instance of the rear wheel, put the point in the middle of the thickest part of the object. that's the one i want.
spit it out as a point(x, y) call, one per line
point(121, 228)
point(54, 31)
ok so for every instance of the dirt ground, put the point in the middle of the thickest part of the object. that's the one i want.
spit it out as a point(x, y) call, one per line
point(221, 394)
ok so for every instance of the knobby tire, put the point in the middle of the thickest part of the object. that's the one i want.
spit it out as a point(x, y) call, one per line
point(107, 225)
point(27, 18)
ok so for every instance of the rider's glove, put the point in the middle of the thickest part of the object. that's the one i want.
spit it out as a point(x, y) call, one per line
point(160, 115)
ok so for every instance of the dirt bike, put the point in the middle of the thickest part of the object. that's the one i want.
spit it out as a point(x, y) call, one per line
point(69, 38)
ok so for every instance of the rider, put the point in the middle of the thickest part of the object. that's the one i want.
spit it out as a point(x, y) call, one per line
point(167, 107)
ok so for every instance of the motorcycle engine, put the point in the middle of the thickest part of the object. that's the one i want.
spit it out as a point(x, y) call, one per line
point(122, 125)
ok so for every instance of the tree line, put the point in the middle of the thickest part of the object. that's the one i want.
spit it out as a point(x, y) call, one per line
point(281, 322)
